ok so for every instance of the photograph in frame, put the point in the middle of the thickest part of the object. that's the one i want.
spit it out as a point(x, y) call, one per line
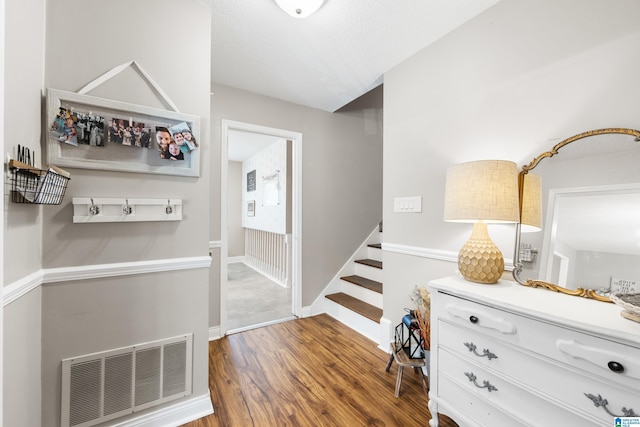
point(95, 133)
point(251, 180)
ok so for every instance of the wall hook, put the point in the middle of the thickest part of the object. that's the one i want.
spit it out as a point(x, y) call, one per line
point(127, 209)
point(121, 209)
point(93, 209)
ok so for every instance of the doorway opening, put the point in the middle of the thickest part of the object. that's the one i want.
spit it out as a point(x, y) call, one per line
point(261, 211)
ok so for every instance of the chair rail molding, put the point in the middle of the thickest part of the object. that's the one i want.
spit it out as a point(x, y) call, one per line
point(21, 287)
point(439, 254)
point(420, 252)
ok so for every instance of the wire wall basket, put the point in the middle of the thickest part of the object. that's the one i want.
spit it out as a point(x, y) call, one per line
point(36, 186)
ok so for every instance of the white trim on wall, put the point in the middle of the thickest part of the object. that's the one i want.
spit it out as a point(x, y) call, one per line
point(173, 415)
point(421, 252)
point(430, 253)
point(214, 333)
point(214, 244)
point(23, 286)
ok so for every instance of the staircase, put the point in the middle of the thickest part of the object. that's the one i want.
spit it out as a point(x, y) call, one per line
point(355, 296)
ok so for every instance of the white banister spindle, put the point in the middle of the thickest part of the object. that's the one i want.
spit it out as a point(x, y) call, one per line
point(269, 253)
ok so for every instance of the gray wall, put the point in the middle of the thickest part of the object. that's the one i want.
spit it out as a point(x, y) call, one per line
point(341, 172)
point(24, 68)
point(23, 91)
point(22, 371)
point(101, 314)
point(84, 39)
point(506, 85)
point(234, 208)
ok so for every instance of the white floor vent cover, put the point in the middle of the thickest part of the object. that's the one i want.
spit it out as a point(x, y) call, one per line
point(102, 386)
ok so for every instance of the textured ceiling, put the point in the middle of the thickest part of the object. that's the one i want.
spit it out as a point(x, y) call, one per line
point(332, 57)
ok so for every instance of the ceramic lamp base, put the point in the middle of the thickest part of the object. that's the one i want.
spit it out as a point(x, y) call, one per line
point(480, 260)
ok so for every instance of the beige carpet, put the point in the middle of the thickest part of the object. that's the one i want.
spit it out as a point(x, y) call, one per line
point(253, 299)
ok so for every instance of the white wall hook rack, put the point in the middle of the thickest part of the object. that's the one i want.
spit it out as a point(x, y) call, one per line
point(101, 209)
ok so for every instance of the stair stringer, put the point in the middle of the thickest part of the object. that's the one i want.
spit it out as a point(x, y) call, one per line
point(322, 305)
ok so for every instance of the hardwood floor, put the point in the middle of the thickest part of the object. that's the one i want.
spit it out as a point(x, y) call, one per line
point(309, 372)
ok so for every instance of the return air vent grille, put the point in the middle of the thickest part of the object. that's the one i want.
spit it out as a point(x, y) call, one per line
point(118, 372)
point(147, 376)
point(103, 386)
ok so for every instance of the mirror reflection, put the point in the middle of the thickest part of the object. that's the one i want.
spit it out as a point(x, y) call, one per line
point(589, 243)
point(594, 239)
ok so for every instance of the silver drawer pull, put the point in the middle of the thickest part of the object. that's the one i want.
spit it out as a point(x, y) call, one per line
point(485, 353)
point(599, 401)
point(485, 384)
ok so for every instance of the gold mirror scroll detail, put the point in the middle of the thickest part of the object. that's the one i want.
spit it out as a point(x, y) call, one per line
point(518, 266)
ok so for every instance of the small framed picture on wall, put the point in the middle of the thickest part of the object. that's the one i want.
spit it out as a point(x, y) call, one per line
point(251, 180)
point(251, 208)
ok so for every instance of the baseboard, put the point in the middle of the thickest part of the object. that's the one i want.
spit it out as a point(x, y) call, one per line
point(265, 274)
point(234, 259)
point(173, 415)
point(306, 311)
point(386, 334)
point(214, 333)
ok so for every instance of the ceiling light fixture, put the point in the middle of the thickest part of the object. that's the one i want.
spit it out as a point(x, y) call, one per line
point(300, 8)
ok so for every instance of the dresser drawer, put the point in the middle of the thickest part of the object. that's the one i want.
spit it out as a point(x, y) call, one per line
point(469, 410)
point(593, 354)
point(558, 382)
point(489, 396)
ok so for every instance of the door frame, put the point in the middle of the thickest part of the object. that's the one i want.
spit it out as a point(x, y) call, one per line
point(296, 211)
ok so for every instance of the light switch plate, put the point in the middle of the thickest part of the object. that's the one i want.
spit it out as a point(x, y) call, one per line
point(407, 204)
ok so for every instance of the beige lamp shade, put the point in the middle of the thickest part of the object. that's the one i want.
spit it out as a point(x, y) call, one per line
point(484, 190)
point(531, 217)
point(480, 192)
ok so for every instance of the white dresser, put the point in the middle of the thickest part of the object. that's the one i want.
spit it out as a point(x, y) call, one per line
point(507, 355)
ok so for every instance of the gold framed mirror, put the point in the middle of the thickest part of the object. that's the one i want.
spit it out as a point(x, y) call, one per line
point(586, 207)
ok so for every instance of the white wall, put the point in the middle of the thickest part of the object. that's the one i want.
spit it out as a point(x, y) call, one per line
point(271, 164)
point(513, 81)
